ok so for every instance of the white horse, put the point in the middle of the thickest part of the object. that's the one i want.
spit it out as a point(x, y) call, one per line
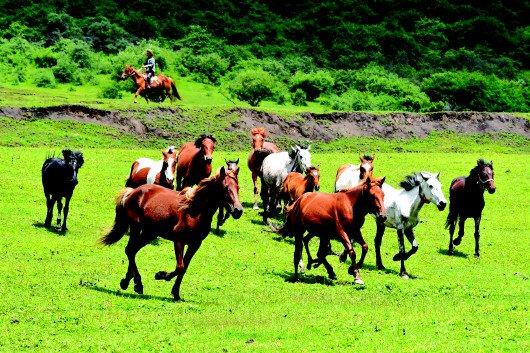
point(274, 170)
point(402, 207)
point(349, 175)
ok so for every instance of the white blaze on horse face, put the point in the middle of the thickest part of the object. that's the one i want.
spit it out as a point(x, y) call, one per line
point(169, 170)
point(305, 158)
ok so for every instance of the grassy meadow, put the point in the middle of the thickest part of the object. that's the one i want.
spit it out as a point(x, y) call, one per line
point(61, 293)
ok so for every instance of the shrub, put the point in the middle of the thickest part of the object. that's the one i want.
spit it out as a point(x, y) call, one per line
point(111, 92)
point(298, 97)
point(65, 71)
point(313, 84)
point(45, 78)
point(253, 86)
point(206, 68)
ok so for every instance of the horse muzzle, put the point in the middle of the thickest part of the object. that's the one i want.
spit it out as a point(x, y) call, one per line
point(208, 159)
point(491, 188)
point(317, 187)
point(441, 205)
point(380, 217)
point(236, 212)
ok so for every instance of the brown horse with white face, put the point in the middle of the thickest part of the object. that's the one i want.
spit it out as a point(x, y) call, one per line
point(466, 200)
point(184, 218)
point(194, 161)
point(338, 215)
point(148, 171)
point(260, 150)
point(349, 175)
point(160, 87)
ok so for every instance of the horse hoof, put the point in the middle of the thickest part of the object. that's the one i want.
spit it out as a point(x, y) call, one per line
point(477, 255)
point(352, 271)
point(160, 275)
point(332, 276)
point(405, 275)
point(342, 257)
point(381, 267)
point(457, 241)
point(397, 257)
point(450, 252)
point(124, 284)
point(255, 207)
point(359, 281)
point(139, 288)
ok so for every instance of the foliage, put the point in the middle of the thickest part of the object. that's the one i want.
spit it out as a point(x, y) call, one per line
point(111, 92)
point(313, 84)
point(45, 78)
point(299, 97)
point(252, 86)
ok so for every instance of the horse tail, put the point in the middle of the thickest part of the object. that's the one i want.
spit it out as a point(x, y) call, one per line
point(175, 92)
point(121, 221)
point(452, 217)
point(129, 182)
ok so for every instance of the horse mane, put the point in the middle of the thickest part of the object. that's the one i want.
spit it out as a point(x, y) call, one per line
point(309, 170)
point(410, 181)
point(368, 157)
point(202, 137)
point(473, 173)
point(69, 154)
point(195, 197)
point(259, 130)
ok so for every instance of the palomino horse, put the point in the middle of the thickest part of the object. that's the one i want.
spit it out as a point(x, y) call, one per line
point(59, 179)
point(349, 175)
point(402, 207)
point(148, 171)
point(194, 161)
point(260, 150)
point(224, 213)
point(295, 184)
point(466, 200)
point(160, 87)
point(274, 170)
point(150, 211)
point(338, 215)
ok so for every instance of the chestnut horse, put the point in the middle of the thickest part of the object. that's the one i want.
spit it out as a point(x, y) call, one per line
point(466, 200)
point(224, 213)
point(339, 215)
point(260, 150)
point(194, 161)
point(349, 175)
point(148, 171)
point(160, 87)
point(150, 211)
point(295, 185)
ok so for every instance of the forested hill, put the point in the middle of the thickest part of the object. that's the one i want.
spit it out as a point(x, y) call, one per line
point(348, 55)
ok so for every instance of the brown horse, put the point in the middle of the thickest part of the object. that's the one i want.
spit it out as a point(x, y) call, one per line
point(150, 211)
point(194, 161)
point(339, 215)
point(224, 213)
point(160, 87)
point(349, 175)
point(295, 185)
point(466, 200)
point(260, 150)
point(148, 171)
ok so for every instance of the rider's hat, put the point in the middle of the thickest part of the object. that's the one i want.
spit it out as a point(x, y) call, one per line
point(149, 51)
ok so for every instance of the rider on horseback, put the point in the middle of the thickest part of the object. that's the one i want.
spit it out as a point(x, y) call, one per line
point(149, 67)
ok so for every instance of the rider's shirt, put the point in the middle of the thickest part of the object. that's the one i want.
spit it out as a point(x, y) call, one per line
point(150, 65)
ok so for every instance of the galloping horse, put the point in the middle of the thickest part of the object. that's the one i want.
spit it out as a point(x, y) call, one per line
point(260, 150)
point(466, 200)
point(150, 211)
point(338, 215)
point(194, 161)
point(295, 184)
point(160, 87)
point(349, 175)
point(274, 170)
point(59, 179)
point(148, 171)
point(221, 215)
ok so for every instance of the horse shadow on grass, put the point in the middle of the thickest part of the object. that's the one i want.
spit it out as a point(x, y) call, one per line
point(308, 278)
point(386, 270)
point(119, 293)
point(455, 253)
point(51, 229)
point(218, 232)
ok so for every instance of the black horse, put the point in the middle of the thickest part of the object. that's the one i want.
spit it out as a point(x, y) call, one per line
point(466, 200)
point(59, 178)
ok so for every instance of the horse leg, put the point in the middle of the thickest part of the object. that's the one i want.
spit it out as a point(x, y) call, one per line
point(65, 214)
point(364, 247)
point(378, 240)
point(137, 240)
point(265, 198)
point(477, 236)
point(452, 226)
point(50, 202)
point(461, 222)
point(323, 251)
point(298, 248)
point(220, 217)
point(137, 93)
point(401, 255)
point(192, 249)
point(352, 270)
point(59, 210)
point(179, 257)
point(310, 260)
point(410, 236)
point(254, 181)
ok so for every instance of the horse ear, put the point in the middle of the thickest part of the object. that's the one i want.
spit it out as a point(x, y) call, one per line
point(361, 159)
point(382, 181)
point(425, 176)
point(66, 153)
point(308, 147)
point(438, 176)
point(222, 172)
point(237, 161)
point(164, 153)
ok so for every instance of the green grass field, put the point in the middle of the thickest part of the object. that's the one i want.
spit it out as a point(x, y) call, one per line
point(61, 293)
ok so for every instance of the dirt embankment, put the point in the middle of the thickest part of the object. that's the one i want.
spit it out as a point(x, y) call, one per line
point(307, 126)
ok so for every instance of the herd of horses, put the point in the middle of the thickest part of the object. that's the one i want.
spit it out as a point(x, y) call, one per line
point(149, 206)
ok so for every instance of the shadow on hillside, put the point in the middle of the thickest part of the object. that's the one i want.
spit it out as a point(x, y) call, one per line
point(456, 253)
point(51, 229)
point(120, 293)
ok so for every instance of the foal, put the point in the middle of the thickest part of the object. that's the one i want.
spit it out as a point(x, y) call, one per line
point(466, 200)
point(224, 213)
point(295, 184)
point(148, 171)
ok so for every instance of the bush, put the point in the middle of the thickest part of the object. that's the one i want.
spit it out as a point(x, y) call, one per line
point(313, 84)
point(45, 61)
point(65, 71)
point(45, 78)
point(208, 68)
point(362, 101)
point(111, 92)
point(253, 86)
point(298, 97)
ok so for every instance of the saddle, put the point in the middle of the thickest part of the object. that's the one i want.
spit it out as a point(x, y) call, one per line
point(155, 81)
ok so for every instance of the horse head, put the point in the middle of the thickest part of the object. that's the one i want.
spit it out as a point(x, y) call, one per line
point(169, 165)
point(301, 157)
point(431, 189)
point(127, 72)
point(313, 174)
point(230, 189)
point(366, 167)
point(258, 137)
point(206, 144)
point(375, 197)
point(75, 160)
point(232, 165)
point(485, 175)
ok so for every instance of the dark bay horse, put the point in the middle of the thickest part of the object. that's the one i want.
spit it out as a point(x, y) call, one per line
point(194, 161)
point(296, 184)
point(224, 213)
point(466, 200)
point(338, 215)
point(148, 171)
point(59, 179)
point(160, 87)
point(185, 218)
point(260, 150)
